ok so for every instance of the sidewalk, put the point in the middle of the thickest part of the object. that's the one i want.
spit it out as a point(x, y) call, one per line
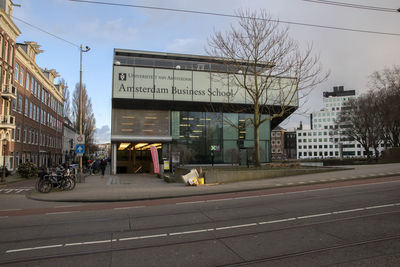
point(129, 187)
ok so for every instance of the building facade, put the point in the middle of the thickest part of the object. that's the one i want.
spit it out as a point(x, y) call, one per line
point(290, 145)
point(323, 140)
point(182, 105)
point(38, 110)
point(277, 143)
point(8, 35)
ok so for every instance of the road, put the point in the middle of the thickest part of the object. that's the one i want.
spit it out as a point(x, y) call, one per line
point(356, 225)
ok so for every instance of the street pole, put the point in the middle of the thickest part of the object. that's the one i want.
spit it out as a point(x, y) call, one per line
point(81, 180)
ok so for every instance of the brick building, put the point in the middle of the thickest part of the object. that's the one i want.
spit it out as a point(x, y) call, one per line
point(38, 110)
point(277, 143)
point(8, 35)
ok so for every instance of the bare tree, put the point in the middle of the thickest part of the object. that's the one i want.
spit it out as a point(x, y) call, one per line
point(263, 60)
point(88, 119)
point(358, 120)
point(387, 84)
point(67, 100)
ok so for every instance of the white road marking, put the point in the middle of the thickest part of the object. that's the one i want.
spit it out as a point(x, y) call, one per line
point(204, 230)
point(347, 211)
point(382, 206)
point(73, 244)
point(17, 190)
point(236, 226)
point(277, 221)
point(141, 237)
point(221, 199)
point(10, 209)
point(35, 248)
point(192, 232)
point(96, 242)
point(314, 215)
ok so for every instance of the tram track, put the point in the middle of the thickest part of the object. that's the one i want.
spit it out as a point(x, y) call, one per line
point(220, 238)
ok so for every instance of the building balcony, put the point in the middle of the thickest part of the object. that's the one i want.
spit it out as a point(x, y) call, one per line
point(7, 122)
point(8, 92)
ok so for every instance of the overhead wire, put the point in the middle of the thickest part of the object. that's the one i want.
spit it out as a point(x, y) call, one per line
point(234, 16)
point(49, 33)
point(342, 4)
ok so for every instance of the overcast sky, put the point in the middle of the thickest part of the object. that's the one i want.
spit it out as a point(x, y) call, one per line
point(350, 56)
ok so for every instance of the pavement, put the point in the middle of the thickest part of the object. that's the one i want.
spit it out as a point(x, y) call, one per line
point(131, 187)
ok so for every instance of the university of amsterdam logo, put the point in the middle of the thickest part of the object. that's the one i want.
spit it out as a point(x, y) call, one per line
point(122, 77)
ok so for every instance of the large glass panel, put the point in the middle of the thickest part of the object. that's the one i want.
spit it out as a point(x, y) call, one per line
point(175, 121)
point(265, 129)
point(231, 152)
point(140, 122)
point(163, 80)
point(201, 85)
point(144, 83)
point(182, 85)
point(219, 88)
point(236, 89)
point(230, 125)
point(213, 122)
point(123, 82)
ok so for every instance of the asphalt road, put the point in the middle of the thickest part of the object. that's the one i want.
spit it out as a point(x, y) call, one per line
point(355, 225)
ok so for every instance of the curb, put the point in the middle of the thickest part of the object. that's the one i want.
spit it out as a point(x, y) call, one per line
point(295, 184)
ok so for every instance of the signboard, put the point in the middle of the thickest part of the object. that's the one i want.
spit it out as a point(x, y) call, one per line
point(215, 148)
point(79, 139)
point(80, 149)
point(198, 86)
point(154, 156)
point(166, 165)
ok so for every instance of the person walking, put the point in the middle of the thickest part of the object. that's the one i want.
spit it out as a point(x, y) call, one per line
point(103, 165)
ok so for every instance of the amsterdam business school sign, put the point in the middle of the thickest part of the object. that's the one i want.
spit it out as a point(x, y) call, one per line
point(182, 85)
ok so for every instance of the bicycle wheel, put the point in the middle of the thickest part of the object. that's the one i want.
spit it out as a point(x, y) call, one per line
point(72, 182)
point(45, 186)
point(65, 183)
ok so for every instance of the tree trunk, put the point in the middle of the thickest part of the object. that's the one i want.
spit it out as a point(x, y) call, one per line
point(256, 139)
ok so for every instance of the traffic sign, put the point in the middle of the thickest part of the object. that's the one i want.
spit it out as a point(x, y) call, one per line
point(79, 139)
point(80, 149)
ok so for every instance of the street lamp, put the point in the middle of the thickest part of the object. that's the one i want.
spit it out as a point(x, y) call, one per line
point(3, 177)
point(87, 48)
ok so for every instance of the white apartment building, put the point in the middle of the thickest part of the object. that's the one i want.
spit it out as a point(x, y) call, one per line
point(323, 140)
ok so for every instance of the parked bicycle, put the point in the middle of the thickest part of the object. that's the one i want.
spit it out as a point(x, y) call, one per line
point(61, 179)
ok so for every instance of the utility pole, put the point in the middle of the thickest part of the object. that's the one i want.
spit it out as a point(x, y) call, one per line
point(81, 179)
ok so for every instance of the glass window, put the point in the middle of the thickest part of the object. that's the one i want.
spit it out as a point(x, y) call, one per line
point(26, 107)
point(21, 75)
point(28, 81)
point(16, 72)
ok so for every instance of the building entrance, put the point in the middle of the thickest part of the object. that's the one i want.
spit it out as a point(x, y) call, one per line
point(135, 157)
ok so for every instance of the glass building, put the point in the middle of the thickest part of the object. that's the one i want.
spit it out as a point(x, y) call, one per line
point(187, 106)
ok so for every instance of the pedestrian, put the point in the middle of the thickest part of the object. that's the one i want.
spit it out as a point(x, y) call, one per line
point(103, 165)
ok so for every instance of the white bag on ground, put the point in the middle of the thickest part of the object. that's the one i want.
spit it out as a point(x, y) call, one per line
point(191, 177)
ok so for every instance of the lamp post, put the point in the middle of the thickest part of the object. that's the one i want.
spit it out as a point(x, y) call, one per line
point(3, 177)
point(80, 107)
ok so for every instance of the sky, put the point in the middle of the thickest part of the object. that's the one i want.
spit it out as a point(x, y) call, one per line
point(349, 56)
